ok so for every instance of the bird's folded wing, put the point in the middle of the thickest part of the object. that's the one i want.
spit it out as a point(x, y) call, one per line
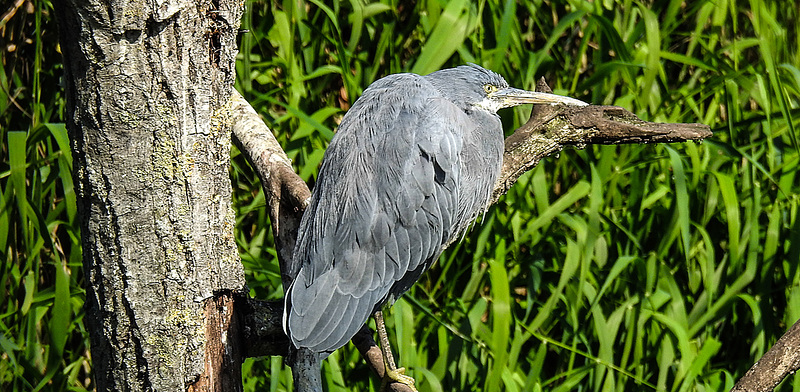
point(382, 209)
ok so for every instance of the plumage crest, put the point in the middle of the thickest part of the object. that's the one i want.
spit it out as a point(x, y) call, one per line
point(466, 85)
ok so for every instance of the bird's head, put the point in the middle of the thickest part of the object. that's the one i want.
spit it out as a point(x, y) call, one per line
point(474, 86)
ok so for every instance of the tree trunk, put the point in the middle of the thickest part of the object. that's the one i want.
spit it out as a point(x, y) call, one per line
point(145, 82)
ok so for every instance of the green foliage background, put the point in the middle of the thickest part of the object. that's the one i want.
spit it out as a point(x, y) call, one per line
point(667, 267)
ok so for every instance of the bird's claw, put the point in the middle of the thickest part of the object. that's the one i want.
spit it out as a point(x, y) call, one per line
point(398, 375)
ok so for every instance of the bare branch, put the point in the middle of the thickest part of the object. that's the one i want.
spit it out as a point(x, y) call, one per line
point(287, 195)
point(551, 128)
point(780, 361)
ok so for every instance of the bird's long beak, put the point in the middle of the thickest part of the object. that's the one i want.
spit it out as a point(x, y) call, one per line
point(513, 96)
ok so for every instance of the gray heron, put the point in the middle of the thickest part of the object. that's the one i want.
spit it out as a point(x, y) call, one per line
point(414, 162)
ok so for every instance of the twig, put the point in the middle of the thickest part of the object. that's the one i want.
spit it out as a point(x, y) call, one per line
point(10, 12)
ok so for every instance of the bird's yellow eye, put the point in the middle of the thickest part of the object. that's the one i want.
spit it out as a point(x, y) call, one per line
point(489, 88)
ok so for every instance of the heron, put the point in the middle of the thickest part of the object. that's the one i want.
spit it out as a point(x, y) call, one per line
point(412, 165)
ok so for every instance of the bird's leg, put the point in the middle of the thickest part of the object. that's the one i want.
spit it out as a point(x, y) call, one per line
point(393, 373)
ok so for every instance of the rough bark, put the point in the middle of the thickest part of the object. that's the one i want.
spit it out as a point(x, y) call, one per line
point(780, 361)
point(143, 83)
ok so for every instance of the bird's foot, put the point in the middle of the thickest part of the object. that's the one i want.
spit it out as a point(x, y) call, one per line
point(398, 375)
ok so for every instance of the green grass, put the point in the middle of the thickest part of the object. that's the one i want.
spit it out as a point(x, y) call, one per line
point(43, 343)
point(669, 267)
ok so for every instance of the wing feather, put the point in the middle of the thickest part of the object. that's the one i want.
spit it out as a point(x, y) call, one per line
point(382, 207)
